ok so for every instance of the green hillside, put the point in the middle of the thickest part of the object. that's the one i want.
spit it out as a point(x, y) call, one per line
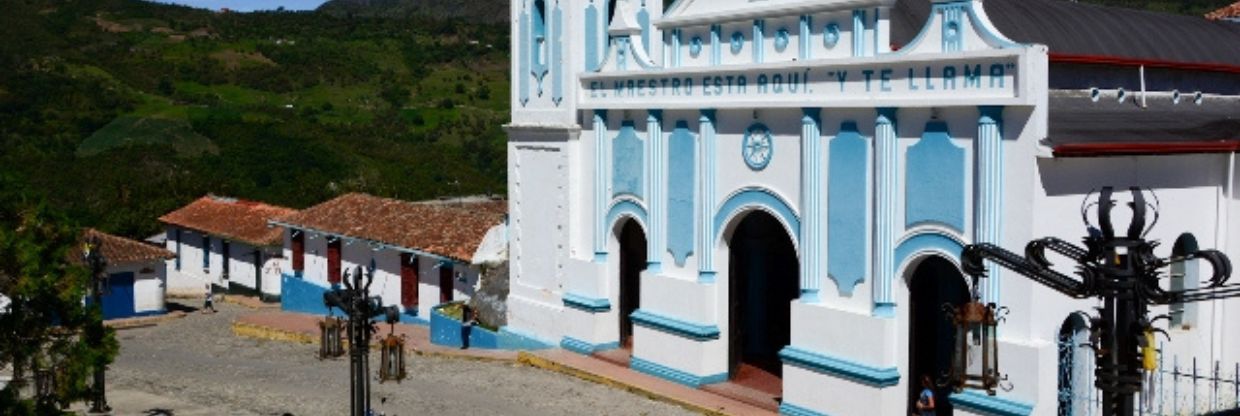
point(118, 111)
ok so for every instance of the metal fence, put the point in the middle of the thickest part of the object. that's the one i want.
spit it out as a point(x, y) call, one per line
point(1178, 387)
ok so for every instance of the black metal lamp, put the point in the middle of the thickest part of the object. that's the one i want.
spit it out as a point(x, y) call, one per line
point(392, 352)
point(331, 344)
point(975, 352)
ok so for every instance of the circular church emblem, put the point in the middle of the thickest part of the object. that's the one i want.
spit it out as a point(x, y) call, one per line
point(757, 147)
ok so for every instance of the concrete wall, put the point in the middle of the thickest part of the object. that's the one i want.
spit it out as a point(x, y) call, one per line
point(191, 277)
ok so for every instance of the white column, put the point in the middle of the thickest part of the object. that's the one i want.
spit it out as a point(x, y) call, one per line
point(601, 146)
point(706, 199)
point(655, 201)
point(886, 175)
point(811, 205)
point(989, 191)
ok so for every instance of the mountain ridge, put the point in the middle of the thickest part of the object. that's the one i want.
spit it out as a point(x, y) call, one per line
point(478, 11)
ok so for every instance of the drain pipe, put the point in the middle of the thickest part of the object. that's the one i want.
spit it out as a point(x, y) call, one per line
point(1142, 73)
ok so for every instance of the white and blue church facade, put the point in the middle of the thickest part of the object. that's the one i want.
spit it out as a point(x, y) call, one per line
point(767, 187)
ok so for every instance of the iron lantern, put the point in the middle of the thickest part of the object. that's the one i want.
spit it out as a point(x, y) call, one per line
point(975, 350)
point(392, 359)
point(331, 344)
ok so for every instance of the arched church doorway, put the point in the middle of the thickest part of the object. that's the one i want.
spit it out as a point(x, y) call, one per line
point(934, 283)
point(632, 262)
point(763, 282)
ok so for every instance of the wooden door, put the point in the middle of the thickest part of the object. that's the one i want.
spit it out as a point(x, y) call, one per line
point(446, 283)
point(409, 281)
point(333, 262)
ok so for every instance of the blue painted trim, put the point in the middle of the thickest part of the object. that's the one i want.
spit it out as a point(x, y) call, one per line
point(682, 170)
point(858, 33)
point(585, 303)
point(706, 277)
point(716, 45)
point(737, 42)
point(831, 35)
point(538, 30)
point(586, 348)
point(672, 374)
point(628, 208)
point(556, 55)
point(675, 326)
point(884, 310)
point(790, 409)
point(628, 161)
point(928, 241)
point(804, 37)
point(990, 405)
point(840, 367)
point(600, 257)
point(512, 340)
point(643, 20)
point(935, 182)
point(758, 138)
point(759, 41)
point(299, 295)
point(760, 198)
point(593, 33)
point(523, 61)
point(847, 206)
point(986, 33)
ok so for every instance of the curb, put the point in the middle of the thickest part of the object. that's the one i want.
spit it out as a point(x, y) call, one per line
point(536, 361)
point(261, 332)
point(130, 323)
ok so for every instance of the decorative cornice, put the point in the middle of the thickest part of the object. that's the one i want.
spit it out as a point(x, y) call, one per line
point(675, 326)
point(585, 303)
point(821, 363)
point(990, 405)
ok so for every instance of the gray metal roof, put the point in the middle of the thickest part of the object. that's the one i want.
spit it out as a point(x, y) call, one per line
point(1092, 30)
point(1075, 118)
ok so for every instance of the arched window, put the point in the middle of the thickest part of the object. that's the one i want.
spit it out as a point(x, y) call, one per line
point(1184, 276)
point(1076, 362)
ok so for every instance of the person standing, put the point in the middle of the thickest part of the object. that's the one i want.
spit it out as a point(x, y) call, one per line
point(209, 302)
point(925, 400)
point(467, 324)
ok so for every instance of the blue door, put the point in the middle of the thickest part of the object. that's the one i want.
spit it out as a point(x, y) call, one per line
point(118, 302)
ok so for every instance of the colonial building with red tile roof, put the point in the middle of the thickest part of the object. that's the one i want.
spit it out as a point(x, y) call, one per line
point(227, 243)
point(424, 253)
point(137, 278)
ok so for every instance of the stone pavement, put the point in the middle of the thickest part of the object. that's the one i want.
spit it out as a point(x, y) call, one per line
point(303, 328)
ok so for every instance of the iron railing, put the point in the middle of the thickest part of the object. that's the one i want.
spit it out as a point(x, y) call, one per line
point(1179, 387)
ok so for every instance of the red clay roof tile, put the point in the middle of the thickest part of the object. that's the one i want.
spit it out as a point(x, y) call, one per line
point(118, 249)
point(449, 229)
point(230, 218)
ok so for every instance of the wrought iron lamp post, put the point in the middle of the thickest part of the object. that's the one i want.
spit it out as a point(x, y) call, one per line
point(1123, 272)
point(360, 308)
point(97, 263)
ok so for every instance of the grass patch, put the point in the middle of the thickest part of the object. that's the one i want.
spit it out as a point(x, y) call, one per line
point(130, 129)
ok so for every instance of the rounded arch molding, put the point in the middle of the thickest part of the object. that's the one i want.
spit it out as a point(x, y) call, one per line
point(757, 198)
point(926, 243)
point(626, 208)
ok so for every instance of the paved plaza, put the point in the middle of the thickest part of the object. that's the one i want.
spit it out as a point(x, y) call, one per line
point(196, 366)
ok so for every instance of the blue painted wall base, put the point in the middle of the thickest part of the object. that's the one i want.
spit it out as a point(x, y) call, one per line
point(302, 296)
point(448, 332)
point(790, 409)
point(672, 374)
point(586, 348)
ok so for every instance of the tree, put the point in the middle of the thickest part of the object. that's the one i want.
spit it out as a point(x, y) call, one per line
point(43, 326)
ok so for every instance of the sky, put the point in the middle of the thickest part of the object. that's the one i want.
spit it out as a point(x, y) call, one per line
point(249, 5)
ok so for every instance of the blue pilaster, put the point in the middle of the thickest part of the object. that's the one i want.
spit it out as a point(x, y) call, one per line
point(716, 48)
point(886, 175)
point(600, 185)
point(706, 189)
point(805, 37)
point(654, 190)
point(676, 50)
point(989, 205)
point(811, 205)
point(593, 34)
point(858, 33)
point(759, 40)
